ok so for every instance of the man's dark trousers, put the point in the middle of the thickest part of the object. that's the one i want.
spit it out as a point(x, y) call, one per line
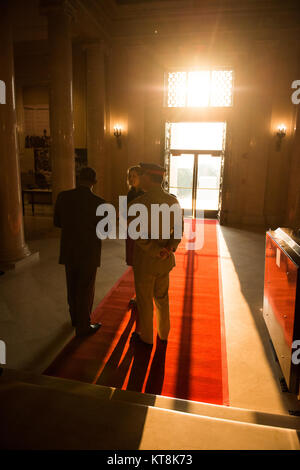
point(81, 290)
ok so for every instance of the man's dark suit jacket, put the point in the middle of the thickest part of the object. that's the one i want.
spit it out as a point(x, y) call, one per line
point(75, 213)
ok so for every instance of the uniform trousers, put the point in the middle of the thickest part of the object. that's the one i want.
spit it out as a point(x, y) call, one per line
point(81, 291)
point(149, 287)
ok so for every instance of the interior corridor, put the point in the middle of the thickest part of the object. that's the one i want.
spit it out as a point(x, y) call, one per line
point(35, 322)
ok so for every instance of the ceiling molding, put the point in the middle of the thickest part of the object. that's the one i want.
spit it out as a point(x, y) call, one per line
point(152, 21)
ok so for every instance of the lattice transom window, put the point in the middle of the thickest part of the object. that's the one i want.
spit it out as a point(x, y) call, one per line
point(202, 88)
point(177, 89)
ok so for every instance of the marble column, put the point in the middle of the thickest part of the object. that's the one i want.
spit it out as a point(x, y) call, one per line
point(96, 113)
point(12, 243)
point(20, 120)
point(61, 105)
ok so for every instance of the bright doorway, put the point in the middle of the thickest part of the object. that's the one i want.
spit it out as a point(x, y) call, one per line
point(194, 158)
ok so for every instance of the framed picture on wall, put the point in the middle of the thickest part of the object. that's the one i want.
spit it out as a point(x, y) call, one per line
point(42, 167)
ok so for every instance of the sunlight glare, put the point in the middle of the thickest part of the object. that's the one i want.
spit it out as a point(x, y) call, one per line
point(198, 89)
point(197, 135)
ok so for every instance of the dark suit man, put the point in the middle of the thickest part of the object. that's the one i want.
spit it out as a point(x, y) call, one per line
point(80, 248)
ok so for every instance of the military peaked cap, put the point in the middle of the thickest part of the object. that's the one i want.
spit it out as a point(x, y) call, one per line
point(152, 168)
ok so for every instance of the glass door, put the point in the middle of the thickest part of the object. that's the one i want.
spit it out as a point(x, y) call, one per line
point(181, 180)
point(195, 180)
point(208, 183)
point(193, 160)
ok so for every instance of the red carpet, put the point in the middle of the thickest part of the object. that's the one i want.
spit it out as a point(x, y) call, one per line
point(193, 366)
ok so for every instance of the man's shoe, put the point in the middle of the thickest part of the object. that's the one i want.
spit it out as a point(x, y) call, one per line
point(94, 327)
point(91, 330)
point(132, 303)
point(163, 341)
point(136, 339)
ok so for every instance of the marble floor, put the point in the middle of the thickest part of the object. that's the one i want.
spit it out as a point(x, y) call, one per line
point(34, 319)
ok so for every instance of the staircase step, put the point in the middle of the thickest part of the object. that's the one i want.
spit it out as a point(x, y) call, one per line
point(42, 417)
point(174, 404)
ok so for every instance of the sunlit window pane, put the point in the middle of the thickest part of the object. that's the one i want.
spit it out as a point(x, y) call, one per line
point(207, 199)
point(198, 89)
point(208, 182)
point(184, 196)
point(208, 172)
point(181, 179)
point(176, 89)
point(197, 135)
point(181, 170)
point(221, 88)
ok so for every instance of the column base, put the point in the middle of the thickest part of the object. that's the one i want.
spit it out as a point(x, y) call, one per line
point(21, 263)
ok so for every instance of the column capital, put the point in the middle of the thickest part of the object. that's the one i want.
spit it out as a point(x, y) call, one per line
point(57, 7)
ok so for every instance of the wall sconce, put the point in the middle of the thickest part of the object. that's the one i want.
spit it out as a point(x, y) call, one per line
point(117, 134)
point(117, 131)
point(281, 133)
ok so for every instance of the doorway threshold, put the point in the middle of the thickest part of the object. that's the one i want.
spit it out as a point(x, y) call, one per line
point(206, 214)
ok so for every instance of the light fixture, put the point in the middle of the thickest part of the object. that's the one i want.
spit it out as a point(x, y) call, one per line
point(117, 131)
point(281, 133)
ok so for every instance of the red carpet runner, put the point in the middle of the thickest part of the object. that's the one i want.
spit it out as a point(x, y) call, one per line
point(193, 366)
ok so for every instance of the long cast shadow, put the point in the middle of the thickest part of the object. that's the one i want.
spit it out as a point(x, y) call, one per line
point(70, 348)
point(63, 365)
point(156, 376)
point(114, 374)
point(139, 368)
point(184, 365)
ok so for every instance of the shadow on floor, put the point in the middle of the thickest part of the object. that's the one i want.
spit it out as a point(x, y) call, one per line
point(114, 372)
point(137, 359)
point(49, 418)
point(50, 349)
point(184, 363)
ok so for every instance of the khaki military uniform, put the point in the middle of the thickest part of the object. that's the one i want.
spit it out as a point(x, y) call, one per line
point(151, 273)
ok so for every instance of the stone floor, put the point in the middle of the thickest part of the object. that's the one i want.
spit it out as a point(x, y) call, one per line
point(34, 320)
